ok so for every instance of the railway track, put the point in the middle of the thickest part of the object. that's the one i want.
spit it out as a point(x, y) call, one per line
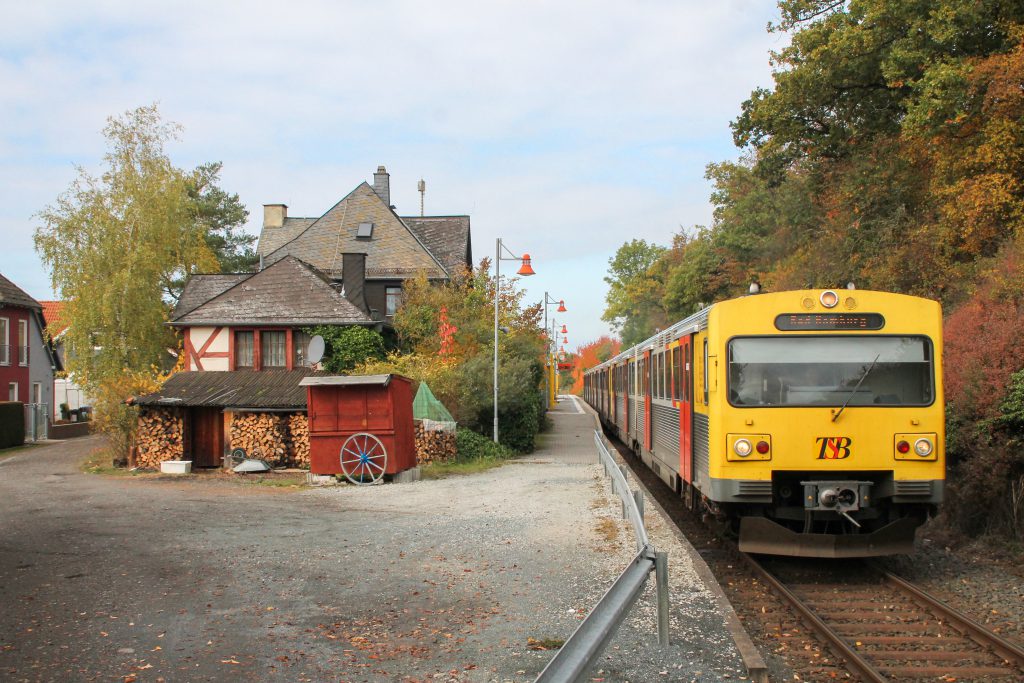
point(876, 625)
point(887, 629)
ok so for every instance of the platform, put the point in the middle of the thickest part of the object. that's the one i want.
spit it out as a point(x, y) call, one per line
point(467, 575)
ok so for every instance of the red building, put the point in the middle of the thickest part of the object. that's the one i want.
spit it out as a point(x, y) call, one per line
point(27, 361)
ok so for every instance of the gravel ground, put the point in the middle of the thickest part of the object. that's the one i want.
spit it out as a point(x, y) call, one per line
point(202, 579)
point(979, 577)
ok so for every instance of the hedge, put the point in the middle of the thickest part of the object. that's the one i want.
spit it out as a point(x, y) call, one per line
point(12, 423)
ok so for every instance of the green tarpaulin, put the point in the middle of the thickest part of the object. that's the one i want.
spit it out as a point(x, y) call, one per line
point(426, 406)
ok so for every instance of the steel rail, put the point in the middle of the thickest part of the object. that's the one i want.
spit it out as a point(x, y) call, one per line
point(860, 665)
point(961, 622)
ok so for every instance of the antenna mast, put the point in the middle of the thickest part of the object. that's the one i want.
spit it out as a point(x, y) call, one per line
point(422, 187)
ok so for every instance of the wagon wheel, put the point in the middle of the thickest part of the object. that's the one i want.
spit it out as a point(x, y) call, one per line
point(363, 458)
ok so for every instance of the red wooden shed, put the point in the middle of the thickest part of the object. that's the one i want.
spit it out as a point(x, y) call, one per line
point(352, 419)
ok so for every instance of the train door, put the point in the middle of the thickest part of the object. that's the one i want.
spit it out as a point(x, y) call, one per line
point(684, 377)
point(628, 389)
point(646, 388)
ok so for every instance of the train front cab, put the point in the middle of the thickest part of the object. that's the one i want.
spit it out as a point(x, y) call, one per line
point(825, 442)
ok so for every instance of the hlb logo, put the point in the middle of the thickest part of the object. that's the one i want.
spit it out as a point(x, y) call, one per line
point(834, 447)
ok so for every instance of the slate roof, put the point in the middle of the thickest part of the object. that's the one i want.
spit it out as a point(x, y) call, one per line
point(394, 250)
point(264, 389)
point(202, 287)
point(273, 238)
point(12, 295)
point(53, 315)
point(288, 292)
point(447, 238)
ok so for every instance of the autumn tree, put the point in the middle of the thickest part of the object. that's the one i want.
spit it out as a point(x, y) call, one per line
point(634, 287)
point(115, 244)
point(461, 374)
point(590, 355)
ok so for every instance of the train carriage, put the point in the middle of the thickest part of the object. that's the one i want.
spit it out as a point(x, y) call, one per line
point(812, 421)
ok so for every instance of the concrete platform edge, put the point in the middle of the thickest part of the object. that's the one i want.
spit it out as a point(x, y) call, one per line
point(757, 670)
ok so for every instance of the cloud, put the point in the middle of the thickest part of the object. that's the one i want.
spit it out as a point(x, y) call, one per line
point(566, 128)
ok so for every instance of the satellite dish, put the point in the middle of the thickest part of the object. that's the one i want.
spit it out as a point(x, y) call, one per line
point(315, 352)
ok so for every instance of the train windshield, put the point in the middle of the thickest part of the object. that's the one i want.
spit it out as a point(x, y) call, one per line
point(830, 371)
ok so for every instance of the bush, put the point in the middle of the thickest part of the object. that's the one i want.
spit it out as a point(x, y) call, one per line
point(472, 446)
point(12, 424)
point(349, 346)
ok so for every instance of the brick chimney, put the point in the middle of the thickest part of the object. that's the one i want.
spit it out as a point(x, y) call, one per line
point(353, 279)
point(382, 184)
point(274, 215)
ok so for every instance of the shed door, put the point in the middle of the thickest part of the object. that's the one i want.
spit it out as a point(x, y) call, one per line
point(207, 437)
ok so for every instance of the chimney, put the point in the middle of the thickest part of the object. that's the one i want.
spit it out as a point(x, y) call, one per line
point(382, 185)
point(274, 215)
point(353, 279)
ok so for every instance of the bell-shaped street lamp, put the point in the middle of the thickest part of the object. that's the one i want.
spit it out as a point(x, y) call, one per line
point(525, 269)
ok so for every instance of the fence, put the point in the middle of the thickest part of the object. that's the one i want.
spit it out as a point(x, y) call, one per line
point(36, 421)
point(585, 645)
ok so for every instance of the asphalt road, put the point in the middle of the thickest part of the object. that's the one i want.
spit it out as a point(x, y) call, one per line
point(127, 579)
point(138, 579)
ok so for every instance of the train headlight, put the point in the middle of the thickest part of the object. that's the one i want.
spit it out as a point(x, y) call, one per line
point(915, 447)
point(829, 299)
point(748, 447)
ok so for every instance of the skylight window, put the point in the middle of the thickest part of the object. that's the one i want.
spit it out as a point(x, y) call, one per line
point(365, 230)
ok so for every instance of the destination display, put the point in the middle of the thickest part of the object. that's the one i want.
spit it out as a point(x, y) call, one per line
point(829, 321)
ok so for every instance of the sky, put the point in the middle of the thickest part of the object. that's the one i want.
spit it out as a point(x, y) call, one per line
point(563, 128)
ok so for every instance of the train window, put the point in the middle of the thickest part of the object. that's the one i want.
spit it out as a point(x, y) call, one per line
point(705, 372)
point(831, 371)
point(677, 373)
point(662, 388)
point(689, 372)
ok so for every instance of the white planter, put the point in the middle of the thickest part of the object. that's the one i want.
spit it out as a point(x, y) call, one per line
point(176, 466)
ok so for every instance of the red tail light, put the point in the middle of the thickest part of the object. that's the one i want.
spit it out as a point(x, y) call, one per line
point(903, 447)
point(762, 447)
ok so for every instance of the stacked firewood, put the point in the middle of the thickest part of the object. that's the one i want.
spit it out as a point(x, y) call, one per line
point(433, 443)
point(262, 435)
point(298, 428)
point(161, 436)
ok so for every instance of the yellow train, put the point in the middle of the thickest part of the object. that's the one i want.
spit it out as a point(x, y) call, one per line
point(811, 421)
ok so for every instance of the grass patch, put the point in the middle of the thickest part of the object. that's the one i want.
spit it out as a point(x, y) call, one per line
point(474, 453)
point(100, 461)
point(440, 470)
point(544, 643)
point(283, 481)
point(15, 450)
point(608, 529)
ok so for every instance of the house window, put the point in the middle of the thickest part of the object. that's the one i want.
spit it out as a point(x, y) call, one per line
point(12, 391)
point(22, 342)
point(243, 350)
point(5, 341)
point(300, 344)
point(393, 299)
point(37, 392)
point(273, 349)
point(365, 231)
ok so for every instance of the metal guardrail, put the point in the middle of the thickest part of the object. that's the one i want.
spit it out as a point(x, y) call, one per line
point(580, 652)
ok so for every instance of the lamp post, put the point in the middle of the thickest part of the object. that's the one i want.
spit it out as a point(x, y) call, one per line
point(525, 270)
point(548, 356)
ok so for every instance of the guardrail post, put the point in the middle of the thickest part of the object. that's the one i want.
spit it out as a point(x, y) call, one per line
point(661, 580)
point(638, 498)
